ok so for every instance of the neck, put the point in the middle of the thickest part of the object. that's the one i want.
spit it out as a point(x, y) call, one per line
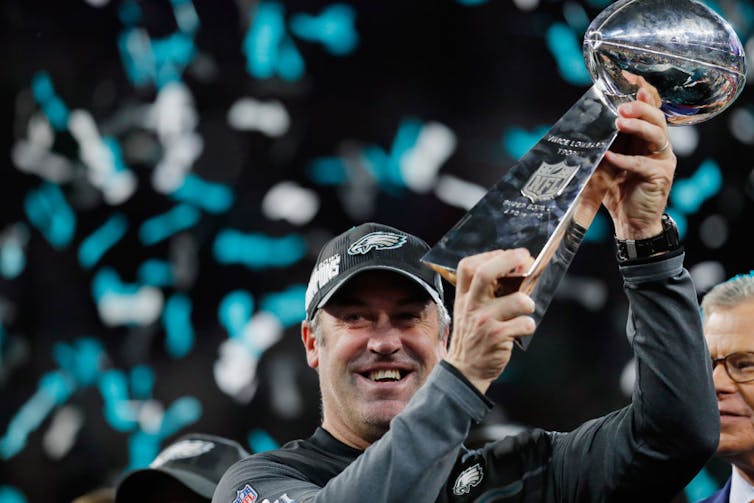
point(347, 436)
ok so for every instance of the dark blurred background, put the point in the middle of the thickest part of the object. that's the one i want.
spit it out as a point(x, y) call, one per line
point(171, 168)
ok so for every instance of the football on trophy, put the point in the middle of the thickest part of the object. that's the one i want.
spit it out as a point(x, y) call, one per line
point(689, 53)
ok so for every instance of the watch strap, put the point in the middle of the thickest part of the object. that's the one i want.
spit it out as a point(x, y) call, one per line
point(668, 240)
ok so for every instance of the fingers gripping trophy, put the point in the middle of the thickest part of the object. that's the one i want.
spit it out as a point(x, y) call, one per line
point(682, 49)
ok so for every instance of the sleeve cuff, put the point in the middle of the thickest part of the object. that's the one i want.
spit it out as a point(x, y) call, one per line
point(653, 269)
point(656, 258)
point(457, 373)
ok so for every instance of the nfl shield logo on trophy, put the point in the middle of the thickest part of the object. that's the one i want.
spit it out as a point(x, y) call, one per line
point(548, 181)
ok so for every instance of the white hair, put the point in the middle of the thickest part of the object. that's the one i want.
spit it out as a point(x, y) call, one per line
point(729, 293)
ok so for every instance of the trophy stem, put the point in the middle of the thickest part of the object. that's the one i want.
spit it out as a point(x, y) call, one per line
point(542, 283)
point(544, 203)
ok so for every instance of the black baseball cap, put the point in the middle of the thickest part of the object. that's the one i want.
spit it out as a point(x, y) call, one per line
point(195, 461)
point(368, 247)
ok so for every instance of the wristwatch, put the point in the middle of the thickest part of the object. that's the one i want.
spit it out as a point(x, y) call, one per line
point(666, 241)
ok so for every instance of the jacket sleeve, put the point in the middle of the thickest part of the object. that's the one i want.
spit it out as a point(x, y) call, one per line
point(649, 450)
point(411, 462)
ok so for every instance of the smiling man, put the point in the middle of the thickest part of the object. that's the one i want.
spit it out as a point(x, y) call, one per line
point(400, 390)
point(385, 335)
point(728, 311)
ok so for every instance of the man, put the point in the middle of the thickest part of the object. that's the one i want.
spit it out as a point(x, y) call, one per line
point(728, 313)
point(186, 471)
point(398, 399)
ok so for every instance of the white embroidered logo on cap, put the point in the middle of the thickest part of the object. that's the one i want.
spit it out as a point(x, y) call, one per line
point(181, 450)
point(324, 272)
point(377, 241)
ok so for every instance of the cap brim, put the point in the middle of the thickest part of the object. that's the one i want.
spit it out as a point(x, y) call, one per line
point(136, 482)
point(371, 267)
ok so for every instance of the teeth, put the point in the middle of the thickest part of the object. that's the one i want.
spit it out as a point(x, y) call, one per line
point(385, 375)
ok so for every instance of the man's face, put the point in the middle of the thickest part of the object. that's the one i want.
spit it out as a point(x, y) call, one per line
point(380, 340)
point(727, 331)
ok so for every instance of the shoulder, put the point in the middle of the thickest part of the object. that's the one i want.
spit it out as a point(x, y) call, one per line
point(248, 478)
point(298, 470)
point(305, 463)
point(525, 448)
point(296, 453)
point(267, 463)
point(516, 457)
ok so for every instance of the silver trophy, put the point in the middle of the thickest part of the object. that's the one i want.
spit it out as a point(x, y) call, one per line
point(691, 55)
point(694, 59)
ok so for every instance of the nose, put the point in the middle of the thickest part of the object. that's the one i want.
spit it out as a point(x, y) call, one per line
point(723, 382)
point(386, 338)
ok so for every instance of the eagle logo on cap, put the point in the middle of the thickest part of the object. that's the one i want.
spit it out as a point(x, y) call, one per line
point(379, 240)
point(181, 450)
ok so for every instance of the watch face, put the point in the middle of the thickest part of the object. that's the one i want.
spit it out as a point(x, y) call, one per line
point(671, 230)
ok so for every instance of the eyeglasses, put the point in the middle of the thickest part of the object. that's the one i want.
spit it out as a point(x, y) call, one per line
point(739, 366)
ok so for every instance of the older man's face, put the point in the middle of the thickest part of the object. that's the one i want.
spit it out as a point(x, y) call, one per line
point(728, 331)
point(381, 339)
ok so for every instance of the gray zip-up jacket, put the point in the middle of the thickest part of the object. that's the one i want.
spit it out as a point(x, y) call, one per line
point(646, 451)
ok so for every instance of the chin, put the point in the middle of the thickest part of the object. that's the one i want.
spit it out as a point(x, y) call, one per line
point(730, 446)
point(384, 412)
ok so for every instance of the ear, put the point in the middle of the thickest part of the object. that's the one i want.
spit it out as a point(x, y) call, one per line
point(310, 345)
point(445, 343)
